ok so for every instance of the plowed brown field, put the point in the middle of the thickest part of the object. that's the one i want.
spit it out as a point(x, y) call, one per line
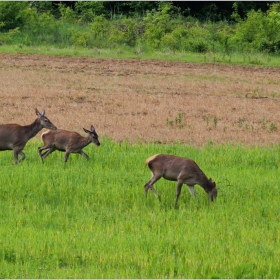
point(142, 99)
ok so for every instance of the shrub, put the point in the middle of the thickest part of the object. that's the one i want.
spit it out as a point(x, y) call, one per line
point(250, 32)
point(7, 37)
point(11, 14)
point(157, 24)
point(99, 30)
point(80, 37)
point(67, 15)
point(271, 39)
point(124, 32)
point(175, 40)
point(198, 39)
point(40, 28)
point(88, 10)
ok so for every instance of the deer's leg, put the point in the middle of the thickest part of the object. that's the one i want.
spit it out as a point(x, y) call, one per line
point(149, 185)
point(178, 192)
point(45, 154)
point(16, 152)
point(22, 155)
point(191, 188)
point(40, 149)
point(82, 153)
point(67, 153)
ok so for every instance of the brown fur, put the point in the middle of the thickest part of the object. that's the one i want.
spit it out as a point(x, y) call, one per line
point(14, 136)
point(182, 170)
point(67, 141)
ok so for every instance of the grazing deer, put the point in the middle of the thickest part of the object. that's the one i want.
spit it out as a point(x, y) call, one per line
point(67, 141)
point(14, 136)
point(182, 170)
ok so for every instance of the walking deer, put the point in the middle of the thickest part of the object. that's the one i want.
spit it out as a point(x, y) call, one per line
point(182, 170)
point(67, 141)
point(14, 136)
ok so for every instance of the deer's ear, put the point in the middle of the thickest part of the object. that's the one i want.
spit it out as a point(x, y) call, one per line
point(87, 131)
point(92, 128)
point(43, 113)
point(37, 112)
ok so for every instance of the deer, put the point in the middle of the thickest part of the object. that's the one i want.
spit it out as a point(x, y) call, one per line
point(14, 136)
point(67, 141)
point(180, 169)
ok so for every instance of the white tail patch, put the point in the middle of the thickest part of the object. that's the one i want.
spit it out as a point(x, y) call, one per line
point(151, 158)
point(44, 134)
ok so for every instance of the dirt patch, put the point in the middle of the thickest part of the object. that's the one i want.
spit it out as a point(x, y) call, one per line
point(146, 100)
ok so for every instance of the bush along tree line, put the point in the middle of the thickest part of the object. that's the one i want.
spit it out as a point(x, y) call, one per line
point(223, 27)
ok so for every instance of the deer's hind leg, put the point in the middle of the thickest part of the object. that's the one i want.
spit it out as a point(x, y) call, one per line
point(46, 153)
point(22, 155)
point(179, 188)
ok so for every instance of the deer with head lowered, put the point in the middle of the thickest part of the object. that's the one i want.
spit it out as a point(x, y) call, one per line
point(182, 170)
point(68, 142)
point(14, 136)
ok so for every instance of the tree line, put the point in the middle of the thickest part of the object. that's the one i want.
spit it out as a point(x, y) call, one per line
point(144, 25)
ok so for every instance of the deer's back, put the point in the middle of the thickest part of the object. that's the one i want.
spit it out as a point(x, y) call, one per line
point(171, 162)
point(10, 129)
point(10, 135)
point(171, 167)
point(60, 138)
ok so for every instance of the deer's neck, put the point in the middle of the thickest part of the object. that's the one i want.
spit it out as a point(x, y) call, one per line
point(205, 184)
point(83, 141)
point(32, 129)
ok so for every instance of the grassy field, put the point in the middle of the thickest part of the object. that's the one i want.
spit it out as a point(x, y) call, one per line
point(248, 59)
point(91, 219)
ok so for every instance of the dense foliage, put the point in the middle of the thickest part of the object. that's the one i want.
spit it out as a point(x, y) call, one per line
point(223, 27)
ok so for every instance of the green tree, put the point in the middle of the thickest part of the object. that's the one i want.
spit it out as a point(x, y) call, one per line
point(175, 40)
point(124, 32)
point(99, 29)
point(87, 10)
point(271, 41)
point(39, 28)
point(67, 15)
point(198, 38)
point(250, 32)
point(224, 37)
point(43, 6)
point(80, 37)
point(157, 24)
point(11, 14)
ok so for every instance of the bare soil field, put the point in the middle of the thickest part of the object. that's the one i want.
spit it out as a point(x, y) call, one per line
point(147, 100)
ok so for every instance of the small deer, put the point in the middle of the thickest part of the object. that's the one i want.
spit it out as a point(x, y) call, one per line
point(14, 136)
point(182, 170)
point(67, 141)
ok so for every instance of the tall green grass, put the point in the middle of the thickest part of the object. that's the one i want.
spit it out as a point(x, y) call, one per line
point(245, 59)
point(91, 219)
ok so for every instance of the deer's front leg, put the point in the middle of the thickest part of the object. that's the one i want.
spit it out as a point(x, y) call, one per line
point(191, 188)
point(149, 185)
point(66, 155)
point(16, 156)
point(82, 153)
